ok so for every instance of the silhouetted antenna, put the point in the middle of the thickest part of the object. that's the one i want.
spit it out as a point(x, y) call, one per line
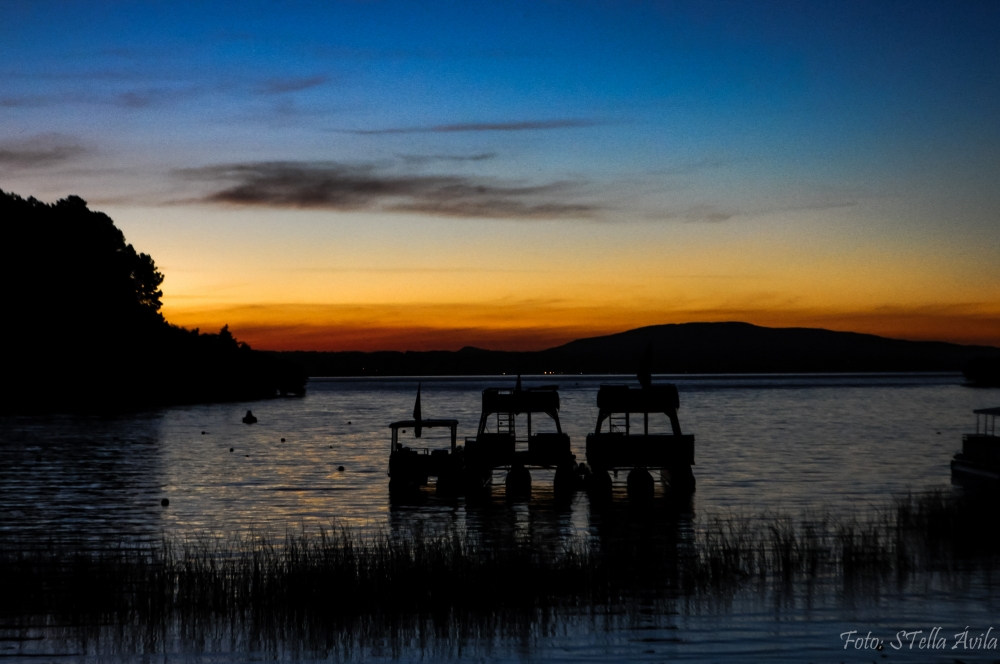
point(645, 373)
point(416, 414)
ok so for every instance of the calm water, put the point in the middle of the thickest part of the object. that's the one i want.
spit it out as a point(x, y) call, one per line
point(837, 444)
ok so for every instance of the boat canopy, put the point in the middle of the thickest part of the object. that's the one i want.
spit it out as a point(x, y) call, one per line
point(532, 400)
point(625, 399)
point(416, 425)
point(988, 411)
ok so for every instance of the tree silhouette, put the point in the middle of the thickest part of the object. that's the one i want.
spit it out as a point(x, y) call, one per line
point(84, 327)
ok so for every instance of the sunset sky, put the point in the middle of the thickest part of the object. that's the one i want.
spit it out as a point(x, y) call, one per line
point(377, 175)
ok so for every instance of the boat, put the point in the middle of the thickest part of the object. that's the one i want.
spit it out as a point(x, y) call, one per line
point(628, 445)
point(411, 466)
point(499, 443)
point(979, 460)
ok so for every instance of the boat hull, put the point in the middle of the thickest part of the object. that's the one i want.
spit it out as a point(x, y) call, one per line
point(964, 469)
point(616, 450)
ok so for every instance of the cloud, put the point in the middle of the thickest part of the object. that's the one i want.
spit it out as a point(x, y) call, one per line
point(132, 99)
point(34, 101)
point(497, 208)
point(155, 96)
point(429, 158)
point(40, 151)
point(709, 213)
point(529, 125)
point(696, 166)
point(345, 187)
point(823, 204)
point(695, 213)
point(276, 86)
point(417, 270)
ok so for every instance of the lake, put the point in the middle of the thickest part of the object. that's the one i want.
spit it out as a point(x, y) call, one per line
point(830, 444)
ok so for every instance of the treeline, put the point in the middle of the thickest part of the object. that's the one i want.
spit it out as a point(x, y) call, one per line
point(83, 329)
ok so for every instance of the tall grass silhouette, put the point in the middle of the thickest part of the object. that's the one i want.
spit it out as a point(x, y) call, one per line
point(342, 575)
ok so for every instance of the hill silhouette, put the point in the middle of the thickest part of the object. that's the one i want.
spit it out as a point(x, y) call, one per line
point(83, 328)
point(731, 347)
point(744, 348)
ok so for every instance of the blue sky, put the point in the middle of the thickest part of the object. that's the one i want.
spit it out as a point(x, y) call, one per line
point(822, 139)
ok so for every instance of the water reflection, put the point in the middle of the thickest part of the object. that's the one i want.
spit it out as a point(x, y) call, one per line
point(780, 444)
point(786, 443)
point(79, 477)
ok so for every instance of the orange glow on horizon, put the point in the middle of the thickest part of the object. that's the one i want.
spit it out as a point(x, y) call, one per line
point(532, 326)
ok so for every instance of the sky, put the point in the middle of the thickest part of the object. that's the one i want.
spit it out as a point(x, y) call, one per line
point(414, 176)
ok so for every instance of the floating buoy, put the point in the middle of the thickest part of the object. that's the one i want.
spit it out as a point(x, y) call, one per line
point(282, 440)
point(203, 433)
point(164, 502)
point(249, 418)
point(348, 421)
point(230, 449)
point(340, 468)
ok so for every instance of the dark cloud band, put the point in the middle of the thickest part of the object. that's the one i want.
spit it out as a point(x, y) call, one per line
point(348, 187)
point(567, 123)
point(276, 86)
point(40, 151)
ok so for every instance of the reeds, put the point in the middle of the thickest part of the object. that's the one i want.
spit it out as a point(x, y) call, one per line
point(332, 573)
point(342, 575)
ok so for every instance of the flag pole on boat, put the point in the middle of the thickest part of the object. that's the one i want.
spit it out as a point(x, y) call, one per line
point(416, 413)
point(645, 373)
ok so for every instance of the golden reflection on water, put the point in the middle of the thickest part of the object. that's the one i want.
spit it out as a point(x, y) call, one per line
point(779, 444)
point(762, 443)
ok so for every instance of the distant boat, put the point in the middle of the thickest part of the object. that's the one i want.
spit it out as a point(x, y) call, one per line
point(979, 459)
point(249, 418)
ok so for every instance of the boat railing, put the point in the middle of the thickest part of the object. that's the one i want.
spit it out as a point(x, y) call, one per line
point(989, 420)
point(418, 450)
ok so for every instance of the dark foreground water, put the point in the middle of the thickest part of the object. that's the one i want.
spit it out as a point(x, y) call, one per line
point(838, 445)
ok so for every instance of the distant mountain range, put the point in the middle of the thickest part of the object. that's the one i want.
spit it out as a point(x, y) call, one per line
point(677, 348)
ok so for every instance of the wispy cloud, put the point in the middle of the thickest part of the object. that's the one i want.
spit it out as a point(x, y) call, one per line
point(138, 98)
point(417, 270)
point(711, 213)
point(696, 166)
point(336, 186)
point(32, 101)
point(277, 86)
point(694, 213)
point(527, 125)
point(819, 204)
point(708, 213)
point(41, 151)
point(145, 98)
point(431, 158)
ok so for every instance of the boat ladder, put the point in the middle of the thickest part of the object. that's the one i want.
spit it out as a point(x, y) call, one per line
point(505, 423)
